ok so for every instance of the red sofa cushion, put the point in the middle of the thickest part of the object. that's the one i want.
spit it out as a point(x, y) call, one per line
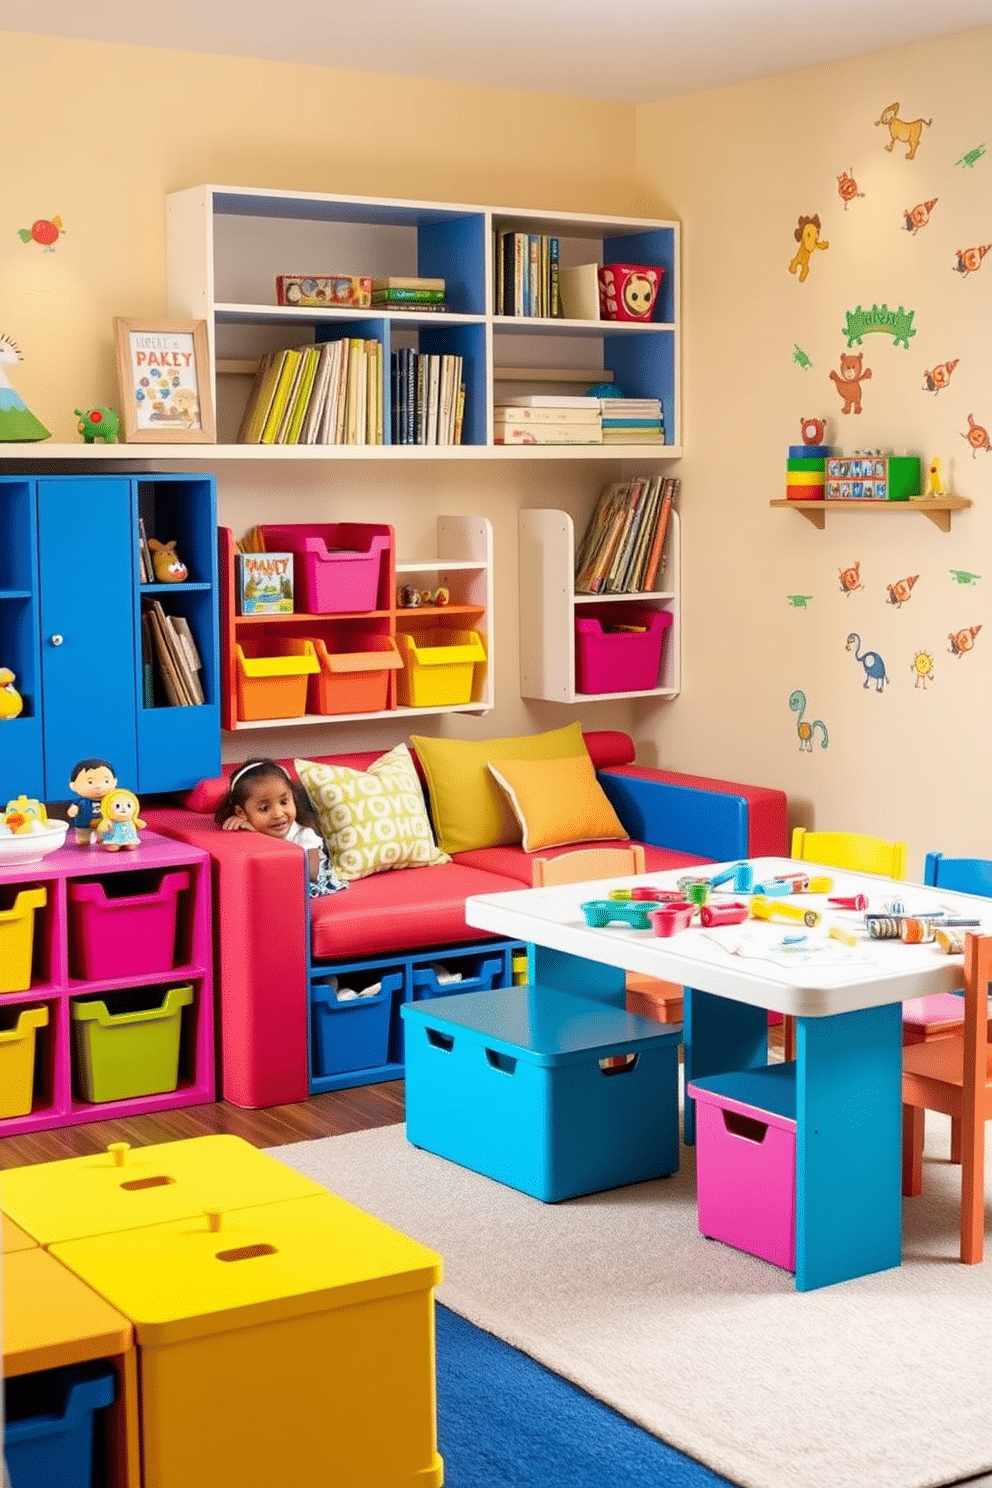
point(399, 911)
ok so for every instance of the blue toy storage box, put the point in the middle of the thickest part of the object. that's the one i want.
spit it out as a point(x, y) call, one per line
point(48, 1433)
point(353, 1032)
point(549, 1093)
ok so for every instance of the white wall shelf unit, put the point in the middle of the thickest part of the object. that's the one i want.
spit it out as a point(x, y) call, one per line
point(226, 246)
point(549, 608)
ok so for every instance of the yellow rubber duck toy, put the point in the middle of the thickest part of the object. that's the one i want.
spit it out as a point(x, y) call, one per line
point(935, 481)
point(11, 702)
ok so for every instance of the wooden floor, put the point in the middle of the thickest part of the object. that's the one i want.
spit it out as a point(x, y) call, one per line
point(320, 1116)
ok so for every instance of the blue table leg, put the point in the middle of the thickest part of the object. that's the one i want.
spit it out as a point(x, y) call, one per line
point(848, 1138)
point(575, 974)
point(719, 1035)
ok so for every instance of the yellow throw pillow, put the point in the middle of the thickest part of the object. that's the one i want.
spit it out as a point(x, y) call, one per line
point(373, 819)
point(558, 801)
point(468, 807)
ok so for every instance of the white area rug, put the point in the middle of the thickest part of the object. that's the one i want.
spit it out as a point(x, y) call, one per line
point(885, 1382)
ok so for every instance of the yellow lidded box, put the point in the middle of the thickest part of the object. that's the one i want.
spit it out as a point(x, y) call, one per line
point(291, 1343)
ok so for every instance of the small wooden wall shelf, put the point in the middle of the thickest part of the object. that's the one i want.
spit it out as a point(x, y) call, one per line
point(937, 508)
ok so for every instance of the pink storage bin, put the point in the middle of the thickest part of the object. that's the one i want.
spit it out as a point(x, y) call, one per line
point(609, 659)
point(123, 934)
point(746, 1162)
point(339, 565)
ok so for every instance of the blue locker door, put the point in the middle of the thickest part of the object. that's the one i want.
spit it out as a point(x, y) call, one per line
point(87, 573)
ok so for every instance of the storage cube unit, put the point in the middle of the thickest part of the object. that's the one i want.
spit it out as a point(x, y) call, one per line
point(17, 938)
point(549, 1093)
point(439, 667)
point(273, 684)
point(49, 1425)
point(124, 1051)
point(286, 1355)
point(351, 1017)
point(341, 567)
point(746, 1160)
point(124, 926)
point(354, 681)
point(18, 1029)
point(620, 651)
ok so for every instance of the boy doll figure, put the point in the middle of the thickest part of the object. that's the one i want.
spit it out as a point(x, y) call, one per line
point(91, 779)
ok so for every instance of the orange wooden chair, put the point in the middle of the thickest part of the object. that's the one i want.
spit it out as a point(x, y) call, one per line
point(954, 1075)
point(646, 995)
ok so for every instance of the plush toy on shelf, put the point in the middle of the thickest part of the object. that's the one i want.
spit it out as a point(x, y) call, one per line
point(98, 423)
point(169, 568)
point(25, 814)
point(11, 702)
point(119, 821)
point(91, 779)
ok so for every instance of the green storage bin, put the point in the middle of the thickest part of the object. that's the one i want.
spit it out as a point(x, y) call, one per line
point(123, 1055)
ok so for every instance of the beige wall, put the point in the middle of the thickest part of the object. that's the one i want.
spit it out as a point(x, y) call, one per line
point(105, 131)
point(739, 166)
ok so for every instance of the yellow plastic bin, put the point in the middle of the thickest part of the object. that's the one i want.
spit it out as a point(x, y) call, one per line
point(271, 1343)
point(274, 685)
point(128, 1188)
point(17, 939)
point(17, 1054)
point(439, 667)
point(123, 1055)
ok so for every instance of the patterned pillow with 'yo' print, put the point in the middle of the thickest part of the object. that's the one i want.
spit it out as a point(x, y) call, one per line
point(372, 820)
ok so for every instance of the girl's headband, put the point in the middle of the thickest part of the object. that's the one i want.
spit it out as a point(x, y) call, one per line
point(258, 765)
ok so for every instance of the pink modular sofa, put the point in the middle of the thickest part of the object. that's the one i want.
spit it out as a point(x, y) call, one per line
point(264, 954)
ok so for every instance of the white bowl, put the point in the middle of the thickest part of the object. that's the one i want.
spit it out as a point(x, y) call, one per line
point(31, 847)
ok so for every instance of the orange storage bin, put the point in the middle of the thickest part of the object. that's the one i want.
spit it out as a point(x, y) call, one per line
point(354, 681)
point(274, 685)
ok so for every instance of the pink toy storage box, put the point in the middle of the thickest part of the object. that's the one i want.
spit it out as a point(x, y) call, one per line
point(746, 1160)
point(342, 567)
point(613, 656)
point(128, 933)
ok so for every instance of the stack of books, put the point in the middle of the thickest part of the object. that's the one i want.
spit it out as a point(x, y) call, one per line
point(428, 398)
point(623, 548)
point(171, 661)
point(408, 292)
point(526, 274)
point(327, 394)
point(633, 421)
point(546, 419)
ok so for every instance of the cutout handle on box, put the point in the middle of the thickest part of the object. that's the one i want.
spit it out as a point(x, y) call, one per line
point(439, 1040)
point(618, 1064)
point(498, 1061)
point(748, 1127)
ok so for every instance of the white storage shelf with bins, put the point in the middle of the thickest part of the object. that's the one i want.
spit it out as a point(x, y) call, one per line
point(227, 245)
point(549, 608)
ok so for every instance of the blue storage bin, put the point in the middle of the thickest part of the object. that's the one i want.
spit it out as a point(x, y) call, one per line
point(478, 974)
point(48, 1430)
point(352, 1033)
point(549, 1093)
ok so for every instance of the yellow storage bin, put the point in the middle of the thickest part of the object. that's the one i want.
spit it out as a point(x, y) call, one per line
point(439, 667)
point(123, 1055)
point(274, 1343)
point(17, 939)
point(274, 685)
point(129, 1188)
point(17, 1053)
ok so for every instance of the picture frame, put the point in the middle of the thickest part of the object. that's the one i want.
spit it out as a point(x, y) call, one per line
point(163, 381)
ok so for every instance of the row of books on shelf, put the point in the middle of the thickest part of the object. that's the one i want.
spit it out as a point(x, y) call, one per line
point(326, 394)
point(361, 291)
point(549, 419)
point(428, 397)
point(622, 550)
point(526, 274)
point(171, 662)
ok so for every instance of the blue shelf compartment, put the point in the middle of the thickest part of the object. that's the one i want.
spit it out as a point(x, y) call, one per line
point(19, 638)
point(362, 1028)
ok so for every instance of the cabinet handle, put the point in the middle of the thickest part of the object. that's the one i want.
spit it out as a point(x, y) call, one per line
point(56, 639)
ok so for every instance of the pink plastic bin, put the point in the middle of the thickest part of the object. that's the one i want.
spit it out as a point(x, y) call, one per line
point(613, 660)
point(111, 936)
point(329, 582)
point(746, 1166)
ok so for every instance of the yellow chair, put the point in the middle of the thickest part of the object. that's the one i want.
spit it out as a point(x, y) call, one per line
point(854, 851)
point(851, 850)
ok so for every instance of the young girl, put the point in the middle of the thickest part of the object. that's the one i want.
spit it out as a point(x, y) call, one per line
point(262, 797)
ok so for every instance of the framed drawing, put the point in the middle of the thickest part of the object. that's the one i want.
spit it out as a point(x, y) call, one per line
point(164, 382)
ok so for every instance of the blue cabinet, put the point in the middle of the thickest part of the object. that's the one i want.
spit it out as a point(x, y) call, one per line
point(71, 603)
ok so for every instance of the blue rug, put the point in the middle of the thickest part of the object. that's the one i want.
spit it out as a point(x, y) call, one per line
point(504, 1421)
